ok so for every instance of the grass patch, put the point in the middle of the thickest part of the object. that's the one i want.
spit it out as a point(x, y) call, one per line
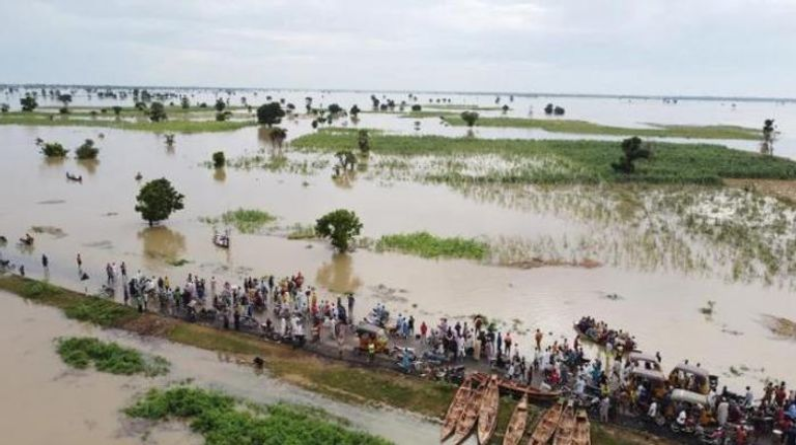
point(99, 311)
point(222, 419)
point(427, 245)
point(583, 127)
point(172, 125)
point(579, 161)
point(301, 232)
point(81, 352)
point(245, 220)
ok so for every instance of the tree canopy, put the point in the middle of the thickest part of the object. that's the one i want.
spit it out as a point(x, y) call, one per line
point(270, 114)
point(157, 112)
point(87, 150)
point(470, 117)
point(157, 200)
point(340, 226)
point(28, 103)
point(633, 149)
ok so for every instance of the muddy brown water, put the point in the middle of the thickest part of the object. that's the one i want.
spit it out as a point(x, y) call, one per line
point(44, 401)
point(660, 307)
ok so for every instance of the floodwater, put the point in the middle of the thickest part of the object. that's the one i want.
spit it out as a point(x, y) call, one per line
point(44, 401)
point(660, 306)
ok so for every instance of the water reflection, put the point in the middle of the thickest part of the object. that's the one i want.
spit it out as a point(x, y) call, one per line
point(338, 274)
point(161, 244)
point(90, 165)
point(220, 174)
point(53, 162)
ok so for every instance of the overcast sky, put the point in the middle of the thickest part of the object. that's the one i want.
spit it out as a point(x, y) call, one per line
point(697, 47)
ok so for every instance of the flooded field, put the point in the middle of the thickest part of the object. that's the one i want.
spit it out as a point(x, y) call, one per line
point(84, 407)
point(653, 244)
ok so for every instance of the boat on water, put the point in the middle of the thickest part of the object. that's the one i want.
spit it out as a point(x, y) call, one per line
point(487, 414)
point(469, 416)
point(566, 427)
point(221, 239)
point(582, 434)
point(547, 425)
point(519, 419)
point(455, 410)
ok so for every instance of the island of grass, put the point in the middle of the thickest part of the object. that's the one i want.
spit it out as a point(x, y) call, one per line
point(426, 245)
point(216, 416)
point(568, 161)
point(82, 352)
point(178, 122)
point(245, 220)
point(725, 132)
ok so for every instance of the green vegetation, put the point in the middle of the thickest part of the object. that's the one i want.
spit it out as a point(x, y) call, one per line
point(583, 127)
point(224, 420)
point(633, 149)
point(469, 117)
point(301, 232)
point(52, 149)
point(81, 352)
point(74, 119)
point(560, 161)
point(245, 220)
point(341, 226)
point(157, 200)
point(219, 160)
point(87, 150)
point(270, 114)
point(157, 112)
point(427, 245)
point(28, 103)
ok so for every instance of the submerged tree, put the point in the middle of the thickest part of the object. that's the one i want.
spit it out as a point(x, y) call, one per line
point(769, 136)
point(157, 112)
point(28, 103)
point(469, 117)
point(278, 136)
point(270, 114)
point(346, 160)
point(340, 226)
point(354, 112)
point(157, 200)
point(52, 149)
point(363, 141)
point(634, 149)
point(87, 150)
point(117, 110)
point(185, 103)
point(220, 105)
point(219, 160)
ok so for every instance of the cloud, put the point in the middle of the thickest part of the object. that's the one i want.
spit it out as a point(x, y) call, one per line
point(741, 47)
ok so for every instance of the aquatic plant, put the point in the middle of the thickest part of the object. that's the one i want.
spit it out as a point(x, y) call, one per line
point(222, 419)
point(87, 150)
point(245, 220)
point(53, 150)
point(82, 352)
point(427, 245)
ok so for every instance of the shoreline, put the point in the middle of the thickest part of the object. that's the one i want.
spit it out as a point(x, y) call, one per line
point(342, 380)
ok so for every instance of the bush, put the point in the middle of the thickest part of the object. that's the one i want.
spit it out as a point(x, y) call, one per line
point(81, 352)
point(270, 114)
point(87, 150)
point(470, 117)
point(53, 150)
point(28, 103)
point(220, 105)
point(219, 160)
point(417, 108)
point(157, 112)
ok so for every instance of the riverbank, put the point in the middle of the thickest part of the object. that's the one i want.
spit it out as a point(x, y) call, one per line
point(336, 379)
point(180, 124)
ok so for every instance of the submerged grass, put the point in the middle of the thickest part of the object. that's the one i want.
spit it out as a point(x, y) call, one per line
point(81, 352)
point(579, 161)
point(222, 419)
point(583, 127)
point(173, 125)
point(245, 220)
point(427, 245)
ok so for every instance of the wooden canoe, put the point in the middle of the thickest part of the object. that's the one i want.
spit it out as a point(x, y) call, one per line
point(566, 427)
point(487, 415)
point(465, 424)
point(455, 410)
point(547, 425)
point(582, 429)
point(519, 419)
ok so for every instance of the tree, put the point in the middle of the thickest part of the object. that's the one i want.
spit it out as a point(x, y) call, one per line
point(4, 108)
point(278, 136)
point(157, 200)
point(354, 111)
point(470, 117)
point(558, 111)
point(220, 105)
point(169, 139)
point(28, 103)
point(334, 109)
point(185, 103)
point(346, 160)
point(65, 99)
point(769, 136)
point(548, 109)
point(270, 114)
point(219, 160)
point(222, 116)
point(52, 149)
point(375, 101)
point(117, 110)
point(340, 226)
point(634, 149)
point(87, 150)
point(416, 108)
point(364, 142)
point(505, 108)
point(157, 112)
